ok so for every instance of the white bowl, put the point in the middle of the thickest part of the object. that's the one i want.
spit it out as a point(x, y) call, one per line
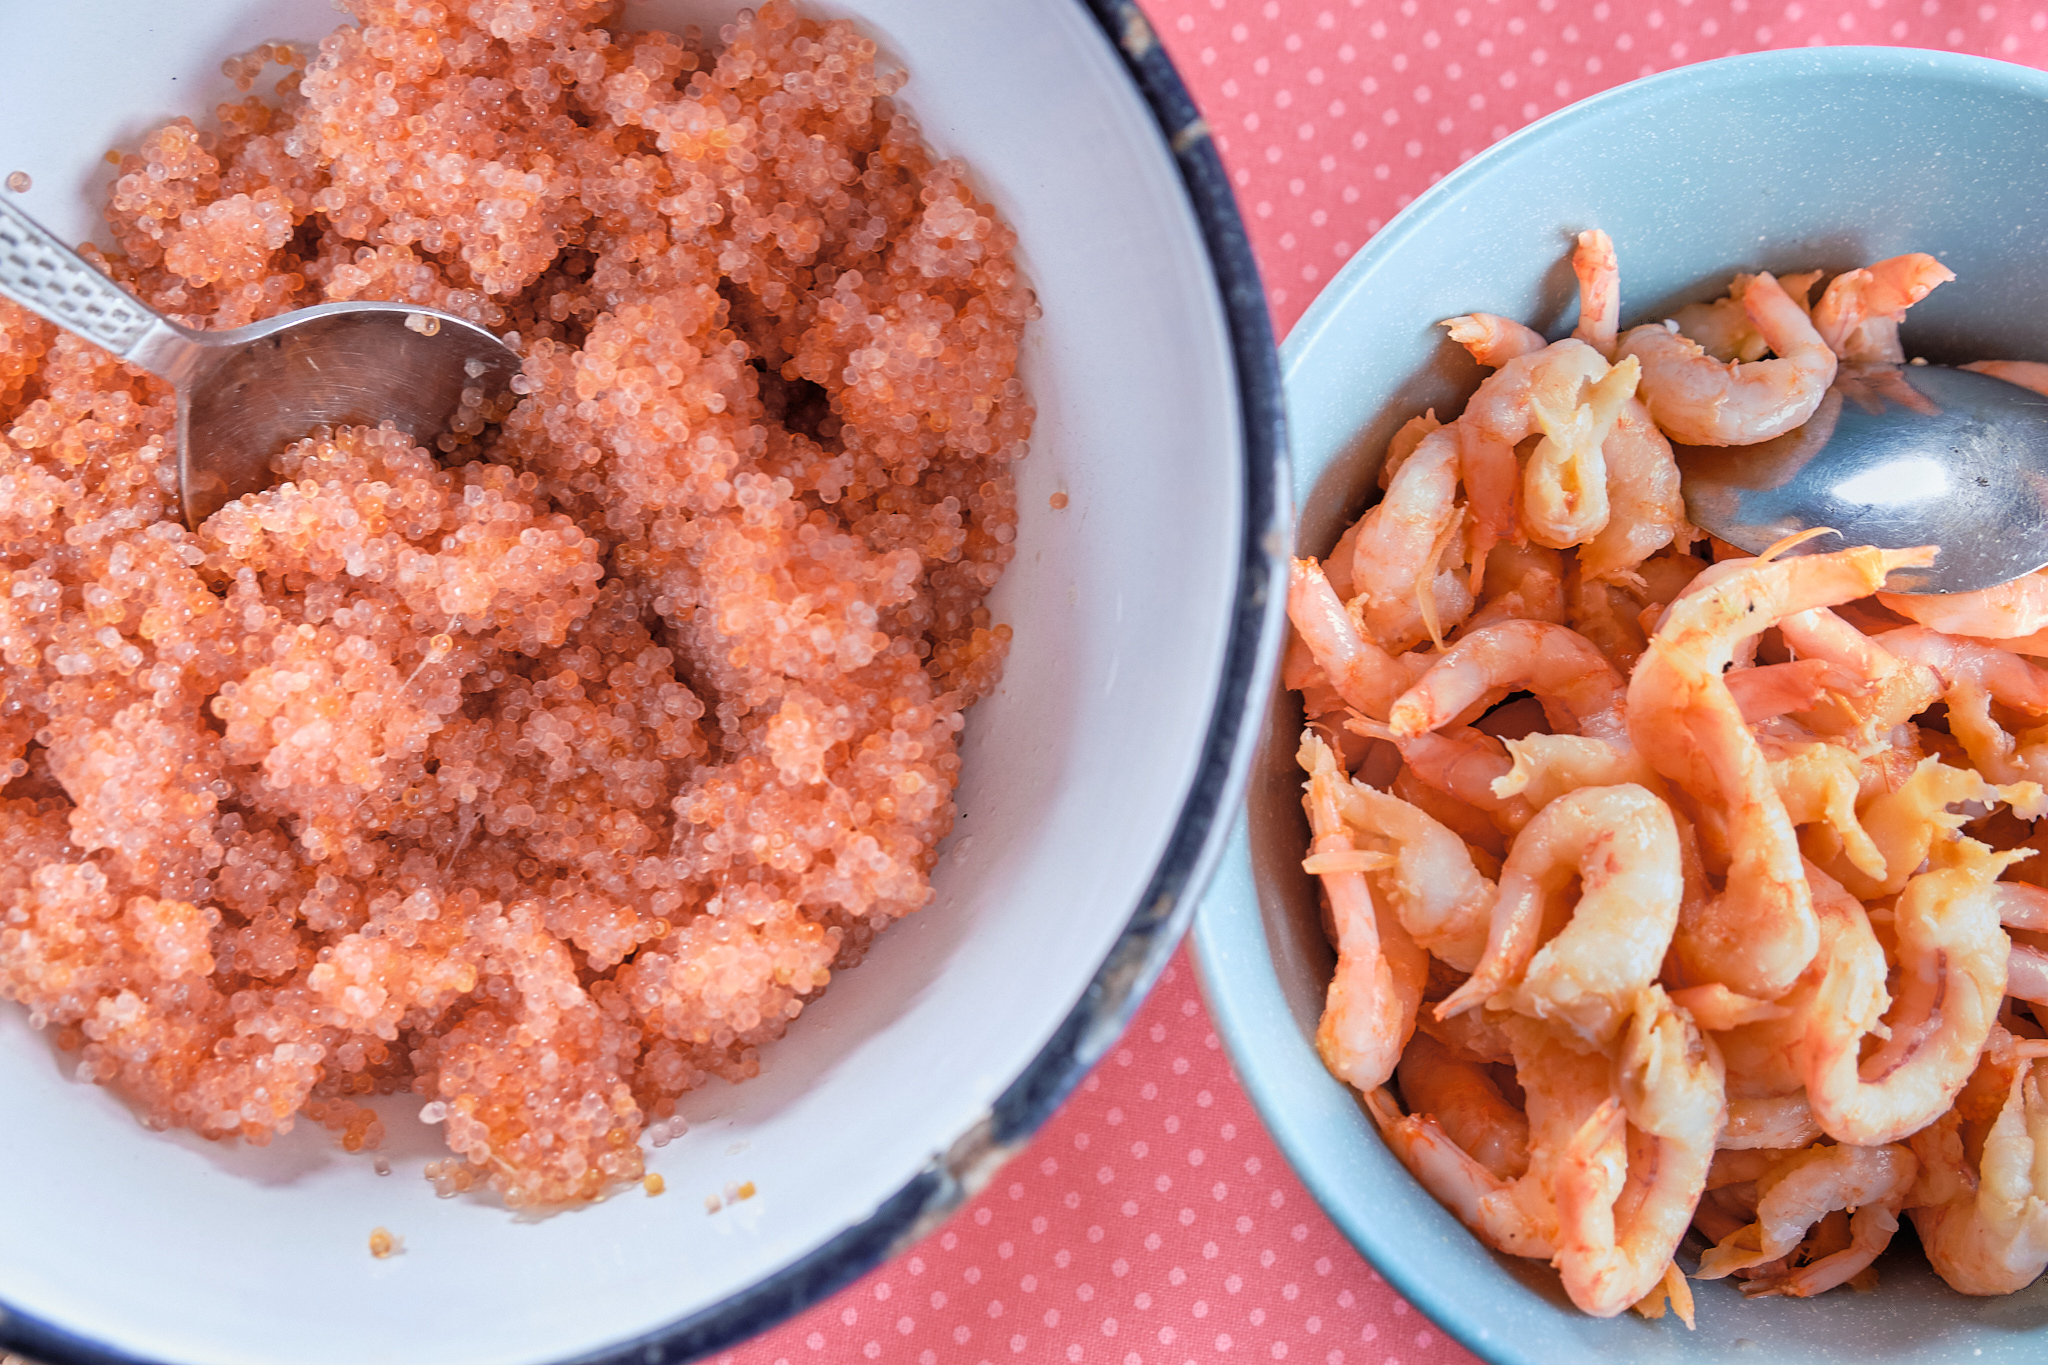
point(1096, 780)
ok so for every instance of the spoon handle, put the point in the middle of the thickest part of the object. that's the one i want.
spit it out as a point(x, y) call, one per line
point(42, 274)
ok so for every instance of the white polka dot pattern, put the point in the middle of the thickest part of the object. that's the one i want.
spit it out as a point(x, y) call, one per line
point(1332, 115)
point(1152, 1222)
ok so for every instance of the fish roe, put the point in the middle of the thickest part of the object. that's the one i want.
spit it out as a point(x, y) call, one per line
point(548, 778)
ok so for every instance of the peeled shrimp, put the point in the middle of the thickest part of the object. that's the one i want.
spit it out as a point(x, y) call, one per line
point(1523, 583)
point(1951, 956)
point(1492, 340)
point(1905, 824)
point(1774, 1123)
point(1402, 445)
point(1991, 1235)
point(1759, 933)
point(1617, 1236)
point(1545, 767)
point(1579, 689)
point(1403, 592)
point(1701, 401)
point(1442, 900)
point(1645, 510)
point(1622, 846)
point(1820, 784)
point(1364, 675)
point(1505, 412)
point(1609, 617)
point(1377, 988)
point(1796, 1193)
point(1858, 314)
point(1894, 689)
point(1972, 676)
point(1462, 1097)
point(1563, 1089)
point(1461, 763)
point(1599, 272)
point(2010, 609)
point(1722, 327)
point(2028, 374)
point(1848, 969)
point(1564, 485)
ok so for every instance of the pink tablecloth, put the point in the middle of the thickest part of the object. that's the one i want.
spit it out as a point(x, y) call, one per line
point(1153, 1222)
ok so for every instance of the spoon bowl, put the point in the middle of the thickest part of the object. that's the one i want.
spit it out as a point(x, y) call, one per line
point(247, 392)
point(1895, 456)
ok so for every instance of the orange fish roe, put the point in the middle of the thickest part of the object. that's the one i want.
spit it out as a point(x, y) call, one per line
point(549, 784)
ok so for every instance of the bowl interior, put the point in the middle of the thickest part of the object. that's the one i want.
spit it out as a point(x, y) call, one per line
point(1783, 161)
point(174, 1249)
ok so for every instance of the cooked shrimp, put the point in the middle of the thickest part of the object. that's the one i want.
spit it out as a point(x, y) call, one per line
point(1617, 1235)
point(1991, 1235)
point(1951, 956)
point(1463, 1099)
point(1858, 314)
point(1599, 272)
point(1523, 583)
point(1973, 675)
point(1481, 830)
point(1476, 1035)
point(2022, 905)
point(1668, 1074)
point(1396, 563)
point(1564, 486)
point(1797, 1193)
point(1492, 340)
point(1380, 972)
point(1442, 900)
point(1722, 327)
point(1461, 763)
point(1895, 689)
point(2010, 609)
point(1579, 689)
point(1848, 970)
point(1820, 784)
point(1401, 447)
point(2028, 374)
point(1545, 767)
point(1773, 1123)
point(1716, 1008)
point(1503, 414)
point(1701, 401)
point(2026, 974)
point(1563, 1089)
point(1364, 675)
point(1621, 845)
point(1645, 510)
point(1759, 933)
point(1768, 691)
point(1609, 617)
point(1904, 824)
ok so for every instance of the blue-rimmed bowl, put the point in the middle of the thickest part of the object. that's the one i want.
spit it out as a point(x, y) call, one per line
point(1781, 161)
point(1096, 783)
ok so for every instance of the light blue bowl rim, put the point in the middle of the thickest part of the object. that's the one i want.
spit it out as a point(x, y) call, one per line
point(1234, 966)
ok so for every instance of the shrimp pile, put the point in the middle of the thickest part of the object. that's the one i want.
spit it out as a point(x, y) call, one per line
point(1675, 888)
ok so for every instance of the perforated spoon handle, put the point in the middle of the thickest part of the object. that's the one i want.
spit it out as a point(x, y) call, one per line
point(42, 274)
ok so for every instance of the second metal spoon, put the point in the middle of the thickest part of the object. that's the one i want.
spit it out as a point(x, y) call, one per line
point(1896, 456)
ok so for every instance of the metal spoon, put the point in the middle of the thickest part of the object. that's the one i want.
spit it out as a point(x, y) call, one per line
point(1896, 456)
point(247, 392)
